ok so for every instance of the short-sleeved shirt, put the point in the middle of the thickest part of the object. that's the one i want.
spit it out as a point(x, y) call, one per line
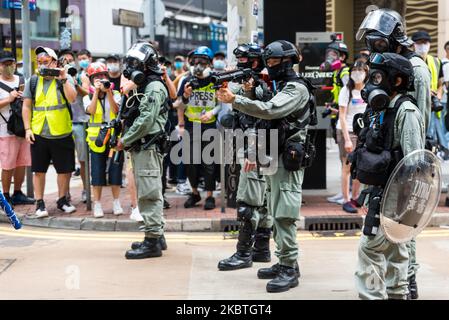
point(5, 110)
point(354, 106)
point(46, 84)
point(445, 68)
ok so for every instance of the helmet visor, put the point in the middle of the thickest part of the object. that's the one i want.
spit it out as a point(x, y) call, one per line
point(378, 20)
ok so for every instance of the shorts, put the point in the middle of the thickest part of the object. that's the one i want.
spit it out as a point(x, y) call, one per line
point(59, 152)
point(14, 153)
point(100, 165)
point(341, 143)
point(79, 135)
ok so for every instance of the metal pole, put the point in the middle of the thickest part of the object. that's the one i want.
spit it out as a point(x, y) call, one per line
point(13, 32)
point(26, 57)
point(87, 176)
point(153, 18)
point(125, 46)
point(222, 170)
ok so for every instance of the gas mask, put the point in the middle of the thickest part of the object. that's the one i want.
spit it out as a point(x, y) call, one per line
point(136, 76)
point(332, 62)
point(200, 71)
point(378, 90)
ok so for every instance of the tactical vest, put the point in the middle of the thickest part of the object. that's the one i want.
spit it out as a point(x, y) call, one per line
point(374, 159)
point(50, 107)
point(95, 123)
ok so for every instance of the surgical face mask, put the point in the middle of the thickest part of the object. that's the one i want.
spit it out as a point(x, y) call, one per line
point(378, 90)
point(422, 49)
point(113, 67)
point(20, 70)
point(219, 65)
point(84, 64)
point(179, 65)
point(169, 72)
point(8, 70)
point(358, 76)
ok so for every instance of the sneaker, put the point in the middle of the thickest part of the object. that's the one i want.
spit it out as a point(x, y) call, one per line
point(209, 204)
point(41, 211)
point(336, 198)
point(77, 172)
point(19, 198)
point(172, 181)
point(135, 215)
point(84, 196)
point(340, 202)
point(117, 208)
point(166, 204)
point(64, 205)
point(349, 208)
point(98, 210)
point(183, 188)
point(192, 200)
point(355, 204)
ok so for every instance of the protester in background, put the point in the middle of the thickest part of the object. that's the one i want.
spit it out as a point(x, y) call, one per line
point(79, 120)
point(219, 61)
point(15, 153)
point(350, 103)
point(115, 70)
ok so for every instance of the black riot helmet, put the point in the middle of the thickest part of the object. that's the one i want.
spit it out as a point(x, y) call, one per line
point(251, 51)
point(384, 70)
point(340, 47)
point(281, 49)
point(383, 30)
point(141, 60)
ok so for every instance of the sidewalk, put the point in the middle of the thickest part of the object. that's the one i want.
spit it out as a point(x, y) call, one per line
point(316, 212)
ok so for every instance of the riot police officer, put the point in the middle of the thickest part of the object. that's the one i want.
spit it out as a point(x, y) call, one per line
point(255, 223)
point(144, 129)
point(290, 111)
point(384, 31)
point(396, 130)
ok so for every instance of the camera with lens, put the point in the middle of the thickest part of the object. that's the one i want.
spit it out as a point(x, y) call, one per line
point(49, 72)
point(194, 83)
point(72, 71)
point(106, 83)
point(437, 106)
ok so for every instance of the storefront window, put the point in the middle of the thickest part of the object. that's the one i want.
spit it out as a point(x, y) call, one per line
point(46, 22)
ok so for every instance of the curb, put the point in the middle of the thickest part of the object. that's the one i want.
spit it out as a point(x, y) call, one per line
point(197, 225)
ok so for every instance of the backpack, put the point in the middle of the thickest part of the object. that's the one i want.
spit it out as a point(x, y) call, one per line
point(15, 124)
point(33, 85)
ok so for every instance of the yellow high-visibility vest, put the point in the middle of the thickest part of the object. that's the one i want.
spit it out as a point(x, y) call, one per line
point(338, 83)
point(95, 122)
point(50, 106)
point(434, 65)
point(202, 100)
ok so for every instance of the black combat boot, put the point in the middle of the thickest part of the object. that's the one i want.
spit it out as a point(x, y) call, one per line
point(243, 257)
point(287, 278)
point(261, 250)
point(412, 289)
point(162, 242)
point(150, 248)
point(273, 271)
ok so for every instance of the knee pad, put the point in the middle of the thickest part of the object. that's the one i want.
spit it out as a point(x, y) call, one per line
point(244, 212)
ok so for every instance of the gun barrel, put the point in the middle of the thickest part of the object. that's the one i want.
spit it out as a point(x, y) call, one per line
point(231, 76)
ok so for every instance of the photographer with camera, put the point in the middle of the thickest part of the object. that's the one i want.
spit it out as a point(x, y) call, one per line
point(200, 111)
point(15, 153)
point(79, 120)
point(102, 106)
point(47, 117)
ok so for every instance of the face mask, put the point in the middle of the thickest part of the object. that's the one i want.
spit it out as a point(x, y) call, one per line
point(169, 72)
point(20, 70)
point(358, 76)
point(8, 71)
point(113, 67)
point(332, 63)
point(377, 91)
point(136, 76)
point(422, 49)
point(378, 44)
point(278, 72)
point(179, 65)
point(219, 65)
point(84, 64)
